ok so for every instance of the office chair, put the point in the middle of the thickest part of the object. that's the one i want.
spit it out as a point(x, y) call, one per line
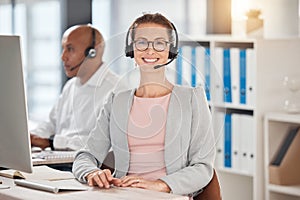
point(212, 191)
point(109, 162)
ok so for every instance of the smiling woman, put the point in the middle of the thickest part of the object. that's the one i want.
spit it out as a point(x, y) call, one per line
point(157, 117)
point(146, 55)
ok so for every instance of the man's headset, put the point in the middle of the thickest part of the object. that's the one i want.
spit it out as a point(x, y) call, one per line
point(89, 52)
point(172, 53)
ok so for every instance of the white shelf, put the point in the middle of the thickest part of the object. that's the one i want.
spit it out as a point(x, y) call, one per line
point(236, 172)
point(274, 59)
point(276, 125)
point(290, 190)
point(230, 106)
point(283, 117)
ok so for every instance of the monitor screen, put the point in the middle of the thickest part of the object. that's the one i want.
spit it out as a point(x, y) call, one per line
point(15, 151)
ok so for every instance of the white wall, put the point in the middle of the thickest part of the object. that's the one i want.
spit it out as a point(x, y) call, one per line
point(113, 18)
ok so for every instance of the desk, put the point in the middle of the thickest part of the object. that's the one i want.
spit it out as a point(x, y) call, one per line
point(18, 192)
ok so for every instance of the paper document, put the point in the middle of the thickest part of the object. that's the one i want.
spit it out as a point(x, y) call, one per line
point(42, 172)
point(4, 186)
point(52, 186)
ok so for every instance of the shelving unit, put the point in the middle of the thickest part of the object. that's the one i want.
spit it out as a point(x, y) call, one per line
point(276, 126)
point(274, 59)
point(235, 183)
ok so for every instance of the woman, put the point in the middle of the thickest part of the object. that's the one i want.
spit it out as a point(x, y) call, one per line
point(160, 133)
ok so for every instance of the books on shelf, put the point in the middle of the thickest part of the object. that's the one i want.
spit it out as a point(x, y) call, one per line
point(227, 72)
point(237, 150)
point(237, 67)
point(193, 67)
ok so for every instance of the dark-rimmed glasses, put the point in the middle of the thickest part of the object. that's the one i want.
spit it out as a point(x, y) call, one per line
point(158, 44)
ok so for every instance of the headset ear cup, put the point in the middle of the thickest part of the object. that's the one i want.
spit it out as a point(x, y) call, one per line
point(173, 52)
point(90, 52)
point(129, 51)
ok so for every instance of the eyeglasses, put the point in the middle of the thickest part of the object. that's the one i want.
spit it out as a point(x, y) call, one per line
point(143, 44)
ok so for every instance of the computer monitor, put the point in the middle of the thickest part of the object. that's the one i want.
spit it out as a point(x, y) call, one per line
point(15, 148)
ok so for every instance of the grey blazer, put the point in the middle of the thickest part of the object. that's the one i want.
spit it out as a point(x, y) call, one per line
point(189, 141)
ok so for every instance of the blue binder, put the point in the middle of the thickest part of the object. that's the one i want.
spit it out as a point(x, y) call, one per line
point(179, 67)
point(243, 76)
point(207, 73)
point(227, 141)
point(193, 68)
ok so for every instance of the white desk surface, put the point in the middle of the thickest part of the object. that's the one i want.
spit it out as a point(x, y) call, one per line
point(18, 192)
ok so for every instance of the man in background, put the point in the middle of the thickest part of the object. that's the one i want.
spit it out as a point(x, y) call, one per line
point(74, 115)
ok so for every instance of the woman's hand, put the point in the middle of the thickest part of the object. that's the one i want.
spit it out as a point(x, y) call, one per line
point(102, 179)
point(139, 182)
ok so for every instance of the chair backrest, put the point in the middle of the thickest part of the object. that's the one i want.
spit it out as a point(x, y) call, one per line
point(109, 162)
point(212, 191)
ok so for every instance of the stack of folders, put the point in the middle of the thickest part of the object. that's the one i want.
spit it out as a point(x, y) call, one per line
point(235, 142)
point(235, 69)
point(232, 69)
point(193, 67)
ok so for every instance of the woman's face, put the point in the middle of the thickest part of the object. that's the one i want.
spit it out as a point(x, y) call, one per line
point(151, 45)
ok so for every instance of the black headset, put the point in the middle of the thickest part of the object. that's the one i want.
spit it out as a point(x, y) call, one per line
point(173, 49)
point(90, 52)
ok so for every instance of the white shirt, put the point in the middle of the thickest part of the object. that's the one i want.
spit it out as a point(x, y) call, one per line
point(74, 115)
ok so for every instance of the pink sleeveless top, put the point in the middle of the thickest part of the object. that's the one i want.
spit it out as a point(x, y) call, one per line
point(146, 136)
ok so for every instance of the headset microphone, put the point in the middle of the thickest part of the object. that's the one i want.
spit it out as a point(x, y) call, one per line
point(159, 66)
point(78, 65)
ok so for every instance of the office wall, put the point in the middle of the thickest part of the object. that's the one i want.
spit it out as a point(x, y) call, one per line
point(74, 12)
point(113, 18)
point(218, 17)
point(187, 15)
